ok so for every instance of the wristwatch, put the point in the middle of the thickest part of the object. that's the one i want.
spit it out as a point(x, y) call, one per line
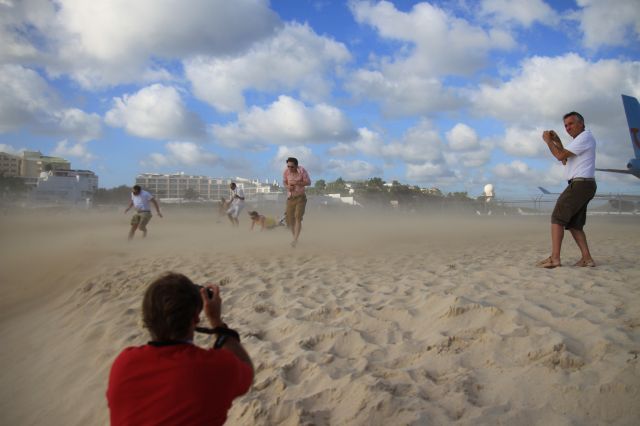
point(223, 334)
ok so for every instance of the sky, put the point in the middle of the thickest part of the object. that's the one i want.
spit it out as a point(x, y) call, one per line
point(451, 94)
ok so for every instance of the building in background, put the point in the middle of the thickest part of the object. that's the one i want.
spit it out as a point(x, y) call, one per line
point(65, 187)
point(33, 163)
point(168, 187)
point(49, 179)
point(9, 165)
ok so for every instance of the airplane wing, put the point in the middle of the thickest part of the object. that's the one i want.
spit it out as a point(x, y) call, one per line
point(546, 192)
point(627, 172)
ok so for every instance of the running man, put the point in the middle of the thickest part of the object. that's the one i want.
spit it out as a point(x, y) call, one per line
point(295, 178)
point(141, 200)
point(236, 204)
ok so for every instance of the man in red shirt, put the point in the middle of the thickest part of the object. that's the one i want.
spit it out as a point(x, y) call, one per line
point(171, 381)
point(295, 178)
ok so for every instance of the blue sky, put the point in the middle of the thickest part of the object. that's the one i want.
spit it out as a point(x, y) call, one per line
point(453, 94)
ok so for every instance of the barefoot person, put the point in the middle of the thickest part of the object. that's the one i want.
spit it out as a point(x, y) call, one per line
point(570, 212)
point(295, 178)
point(141, 200)
point(236, 203)
point(265, 222)
point(170, 380)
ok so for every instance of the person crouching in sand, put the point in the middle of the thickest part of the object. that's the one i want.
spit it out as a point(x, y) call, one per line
point(170, 380)
point(265, 222)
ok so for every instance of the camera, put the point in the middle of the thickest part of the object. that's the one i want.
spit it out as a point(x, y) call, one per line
point(209, 290)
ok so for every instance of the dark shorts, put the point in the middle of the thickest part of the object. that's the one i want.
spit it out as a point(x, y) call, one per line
point(571, 207)
point(295, 208)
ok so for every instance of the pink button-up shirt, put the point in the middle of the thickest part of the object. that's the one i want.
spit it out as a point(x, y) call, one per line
point(298, 179)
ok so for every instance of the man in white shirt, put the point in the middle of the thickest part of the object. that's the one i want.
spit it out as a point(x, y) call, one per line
point(236, 204)
point(141, 200)
point(570, 212)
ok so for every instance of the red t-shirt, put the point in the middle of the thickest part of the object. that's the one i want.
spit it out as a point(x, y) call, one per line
point(179, 384)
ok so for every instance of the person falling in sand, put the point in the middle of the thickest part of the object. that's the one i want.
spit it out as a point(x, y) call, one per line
point(141, 200)
point(265, 222)
point(570, 211)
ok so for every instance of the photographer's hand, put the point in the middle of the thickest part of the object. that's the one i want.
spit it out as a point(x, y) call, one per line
point(212, 306)
point(213, 309)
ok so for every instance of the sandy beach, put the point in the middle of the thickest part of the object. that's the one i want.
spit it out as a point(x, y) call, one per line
point(373, 319)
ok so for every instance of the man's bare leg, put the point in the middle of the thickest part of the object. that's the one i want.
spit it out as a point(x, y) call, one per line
point(144, 232)
point(557, 234)
point(297, 227)
point(132, 231)
point(581, 240)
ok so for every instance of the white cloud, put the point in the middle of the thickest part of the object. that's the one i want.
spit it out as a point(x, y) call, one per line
point(342, 150)
point(518, 174)
point(182, 154)
point(354, 170)
point(25, 97)
point(82, 126)
point(427, 172)
point(522, 12)
point(367, 142)
point(462, 138)
point(306, 158)
point(524, 142)
point(609, 23)
point(105, 43)
point(18, 20)
point(546, 88)
point(10, 149)
point(402, 95)
point(418, 145)
point(286, 121)
point(78, 150)
point(434, 44)
point(27, 101)
point(443, 44)
point(294, 59)
point(156, 112)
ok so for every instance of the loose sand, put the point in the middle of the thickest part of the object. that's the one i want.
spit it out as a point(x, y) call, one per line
point(371, 320)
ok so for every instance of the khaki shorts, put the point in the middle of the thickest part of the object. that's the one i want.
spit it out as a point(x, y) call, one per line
point(571, 207)
point(295, 208)
point(141, 219)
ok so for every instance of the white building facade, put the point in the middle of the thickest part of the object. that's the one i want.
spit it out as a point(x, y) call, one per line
point(175, 186)
point(65, 186)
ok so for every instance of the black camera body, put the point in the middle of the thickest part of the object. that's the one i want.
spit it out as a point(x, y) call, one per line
point(209, 290)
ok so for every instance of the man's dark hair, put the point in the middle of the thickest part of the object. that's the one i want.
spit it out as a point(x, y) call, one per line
point(137, 188)
point(577, 114)
point(170, 304)
point(292, 160)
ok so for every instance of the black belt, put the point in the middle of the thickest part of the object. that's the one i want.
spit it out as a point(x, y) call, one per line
point(581, 179)
point(144, 211)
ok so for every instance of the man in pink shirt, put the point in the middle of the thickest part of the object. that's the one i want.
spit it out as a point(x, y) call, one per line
point(295, 178)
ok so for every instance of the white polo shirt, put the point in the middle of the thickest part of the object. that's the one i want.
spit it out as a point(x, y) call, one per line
point(583, 164)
